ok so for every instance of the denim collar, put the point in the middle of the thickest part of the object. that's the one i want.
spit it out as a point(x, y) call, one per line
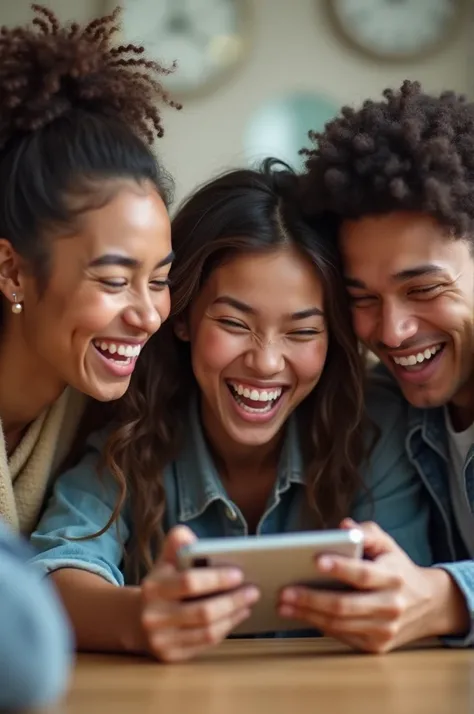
point(431, 425)
point(198, 481)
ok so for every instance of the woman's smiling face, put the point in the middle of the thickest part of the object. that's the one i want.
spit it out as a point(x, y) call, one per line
point(258, 344)
point(106, 294)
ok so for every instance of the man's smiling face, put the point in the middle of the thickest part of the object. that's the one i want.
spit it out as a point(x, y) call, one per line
point(412, 291)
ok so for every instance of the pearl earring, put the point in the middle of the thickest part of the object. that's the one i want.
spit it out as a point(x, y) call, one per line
point(17, 307)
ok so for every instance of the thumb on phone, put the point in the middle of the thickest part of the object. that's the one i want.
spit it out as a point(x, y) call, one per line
point(176, 539)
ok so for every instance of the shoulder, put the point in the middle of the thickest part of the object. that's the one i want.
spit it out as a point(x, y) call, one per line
point(384, 402)
point(387, 414)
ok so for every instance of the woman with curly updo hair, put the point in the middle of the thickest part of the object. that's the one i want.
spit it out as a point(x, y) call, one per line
point(84, 237)
point(397, 175)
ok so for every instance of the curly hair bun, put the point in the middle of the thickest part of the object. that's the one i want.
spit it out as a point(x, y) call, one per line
point(48, 70)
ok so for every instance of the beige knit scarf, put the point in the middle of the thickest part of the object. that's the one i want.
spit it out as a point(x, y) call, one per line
point(26, 475)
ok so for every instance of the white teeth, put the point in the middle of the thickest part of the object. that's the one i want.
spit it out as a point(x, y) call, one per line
point(266, 397)
point(418, 357)
point(252, 410)
point(129, 351)
point(257, 395)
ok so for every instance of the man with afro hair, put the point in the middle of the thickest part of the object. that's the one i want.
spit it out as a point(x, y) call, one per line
point(397, 175)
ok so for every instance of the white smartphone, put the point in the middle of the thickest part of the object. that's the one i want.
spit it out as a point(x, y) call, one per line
point(272, 562)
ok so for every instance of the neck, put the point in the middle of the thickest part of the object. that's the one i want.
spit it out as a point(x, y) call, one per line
point(27, 386)
point(461, 408)
point(237, 461)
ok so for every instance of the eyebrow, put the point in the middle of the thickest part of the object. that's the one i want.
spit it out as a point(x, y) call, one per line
point(125, 261)
point(408, 274)
point(243, 307)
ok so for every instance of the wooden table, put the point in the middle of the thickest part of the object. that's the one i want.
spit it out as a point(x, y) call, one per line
point(278, 677)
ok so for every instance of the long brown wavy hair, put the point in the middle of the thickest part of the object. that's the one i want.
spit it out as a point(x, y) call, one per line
point(242, 211)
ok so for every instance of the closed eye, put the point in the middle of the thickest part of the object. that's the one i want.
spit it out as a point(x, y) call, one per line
point(425, 290)
point(232, 323)
point(113, 283)
point(361, 299)
point(308, 332)
point(160, 284)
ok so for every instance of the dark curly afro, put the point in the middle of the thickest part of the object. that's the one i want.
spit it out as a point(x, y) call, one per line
point(410, 151)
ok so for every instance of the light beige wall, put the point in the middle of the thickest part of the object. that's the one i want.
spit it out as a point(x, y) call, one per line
point(13, 12)
point(294, 48)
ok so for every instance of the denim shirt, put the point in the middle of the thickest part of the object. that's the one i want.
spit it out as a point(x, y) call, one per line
point(82, 501)
point(428, 451)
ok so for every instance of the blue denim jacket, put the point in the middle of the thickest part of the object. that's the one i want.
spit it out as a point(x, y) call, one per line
point(82, 502)
point(427, 450)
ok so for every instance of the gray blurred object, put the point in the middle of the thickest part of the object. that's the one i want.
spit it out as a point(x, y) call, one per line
point(35, 640)
point(208, 39)
point(398, 30)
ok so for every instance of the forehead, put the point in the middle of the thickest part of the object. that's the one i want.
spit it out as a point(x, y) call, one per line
point(385, 246)
point(282, 280)
point(132, 210)
point(134, 221)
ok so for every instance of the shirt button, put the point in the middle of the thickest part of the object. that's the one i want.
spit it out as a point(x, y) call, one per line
point(230, 513)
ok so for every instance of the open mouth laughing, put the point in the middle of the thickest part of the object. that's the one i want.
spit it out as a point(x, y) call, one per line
point(257, 403)
point(120, 357)
point(419, 365)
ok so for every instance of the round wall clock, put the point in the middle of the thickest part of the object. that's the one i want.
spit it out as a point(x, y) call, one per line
point(397, 30)
point(207, 38)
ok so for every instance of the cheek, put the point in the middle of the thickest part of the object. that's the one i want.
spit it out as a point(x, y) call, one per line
point(83, 314)
point(364, 322)
point(163, 305)
point(213, 350)
point(310, 360)
point(447, 314)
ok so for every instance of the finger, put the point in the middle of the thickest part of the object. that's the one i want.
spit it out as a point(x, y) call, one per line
point(376, 541)
point(344, 605)
point(367, 634)
point(221, 607)
point(175, 645)
point(358, 574)
point(176, 538)
point(166, 583)
point(201, 613)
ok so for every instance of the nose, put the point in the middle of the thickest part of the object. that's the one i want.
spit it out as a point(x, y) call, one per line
point(144, 315)
point(265, 360)
point(396, 325)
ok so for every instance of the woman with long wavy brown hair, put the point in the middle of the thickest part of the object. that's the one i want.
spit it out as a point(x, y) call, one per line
point(247, 414)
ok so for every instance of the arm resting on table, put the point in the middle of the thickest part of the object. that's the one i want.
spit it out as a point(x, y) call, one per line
point(106, 618)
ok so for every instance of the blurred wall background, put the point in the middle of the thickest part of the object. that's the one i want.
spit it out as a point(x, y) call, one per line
point(291, 48)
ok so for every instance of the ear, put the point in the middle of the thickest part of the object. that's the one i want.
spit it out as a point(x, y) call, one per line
point(10, 272)
point(181, 329)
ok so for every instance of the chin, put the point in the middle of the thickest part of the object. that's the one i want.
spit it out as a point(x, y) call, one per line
point(106, 393)
point(252, 437)
point(425, 398)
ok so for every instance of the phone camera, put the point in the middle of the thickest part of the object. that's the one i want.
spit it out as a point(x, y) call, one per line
point(200, 563)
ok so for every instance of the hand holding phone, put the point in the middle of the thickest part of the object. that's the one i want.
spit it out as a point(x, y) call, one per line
point(186, 611)
point(273, 562)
